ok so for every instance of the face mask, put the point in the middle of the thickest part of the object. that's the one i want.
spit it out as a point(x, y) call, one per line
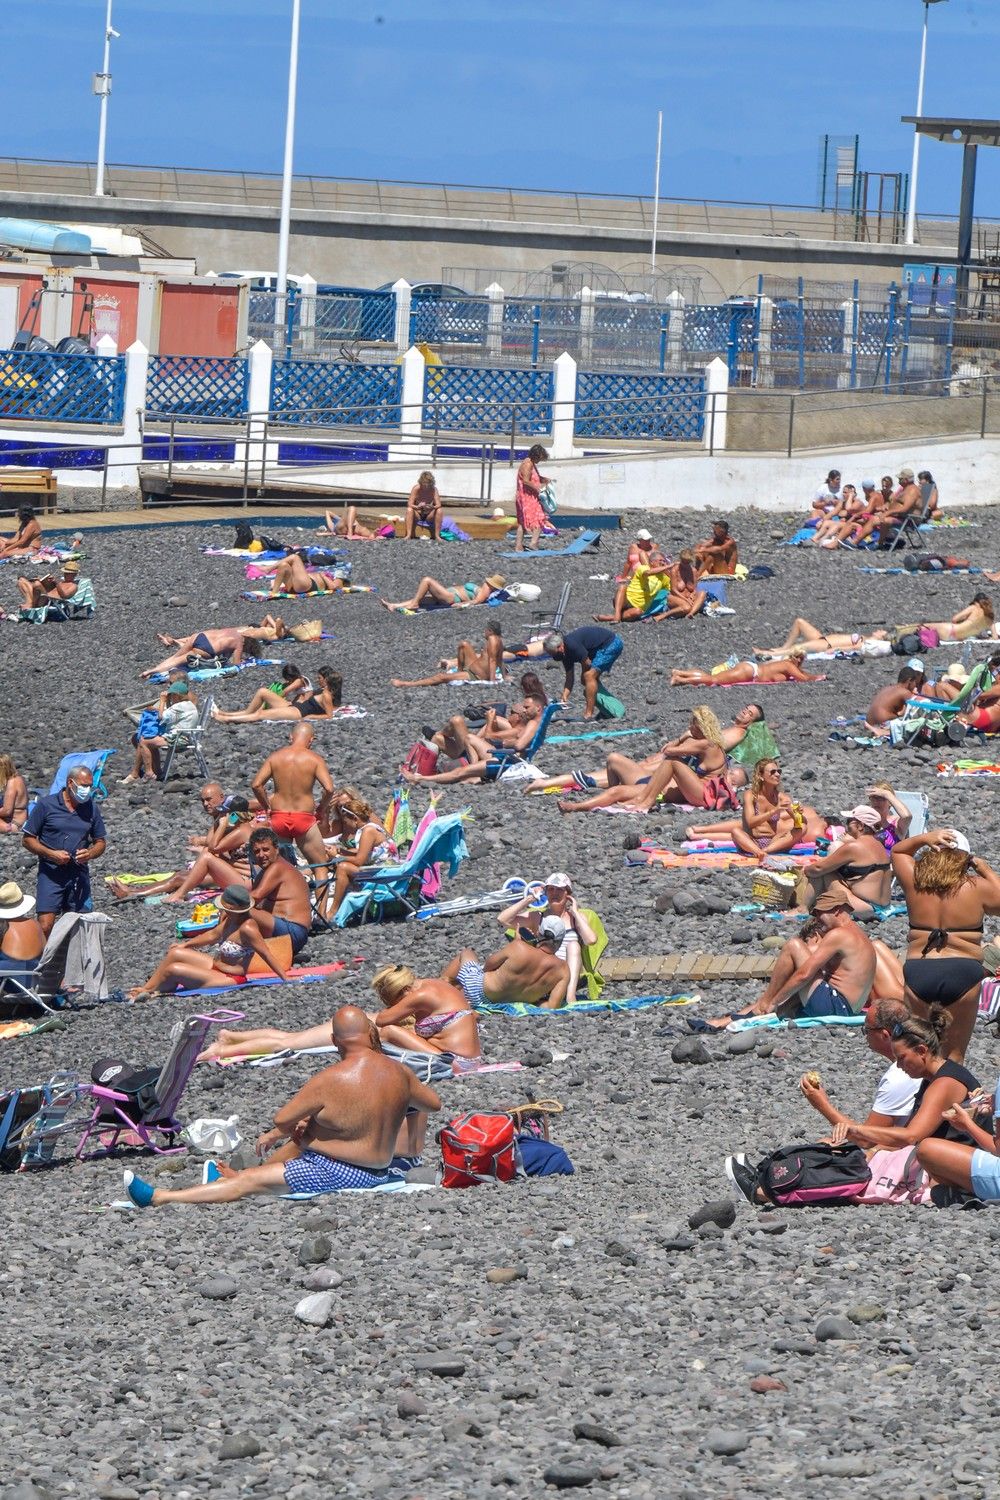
point(80, 793)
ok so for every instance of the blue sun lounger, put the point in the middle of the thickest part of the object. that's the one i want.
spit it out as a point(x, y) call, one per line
point(585, 542)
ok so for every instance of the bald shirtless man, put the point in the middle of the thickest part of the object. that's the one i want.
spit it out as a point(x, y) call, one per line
point(833, 978)
point(294, 774)
point(339, 1131)
point(525, 972)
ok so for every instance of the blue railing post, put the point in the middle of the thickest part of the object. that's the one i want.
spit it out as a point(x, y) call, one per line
point(802, 334)
point(536, 331)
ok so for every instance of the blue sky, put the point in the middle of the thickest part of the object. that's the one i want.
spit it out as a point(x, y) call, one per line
point(562, 94)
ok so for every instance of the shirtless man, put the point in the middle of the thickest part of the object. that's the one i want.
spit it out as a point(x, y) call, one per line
point(903, 503)
point(339, 1131)
point(227, 642)
point(834, 978)
point(717, 555)
point(50, 590)
point(457, 740)
point(889, 702)
point(524, 972)
point(294, 773)
point(468, 664)
point(280, 892)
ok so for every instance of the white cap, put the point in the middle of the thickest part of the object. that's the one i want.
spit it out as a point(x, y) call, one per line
point(916, 664)
point(553, 928)
point(499, 513)
point(960, 841)
point(643, 535)
point(560, 880)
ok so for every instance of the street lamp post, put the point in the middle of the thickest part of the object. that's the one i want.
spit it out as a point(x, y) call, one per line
point(284, 222)
point(102, 87)
point(911, 207)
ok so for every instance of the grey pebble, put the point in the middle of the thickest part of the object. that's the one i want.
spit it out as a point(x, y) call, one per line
point(239, 1445)
point(727, 1441)
point(833, 1327)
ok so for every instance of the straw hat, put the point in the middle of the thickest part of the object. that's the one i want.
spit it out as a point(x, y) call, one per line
point(13, 901)
point(495, 580)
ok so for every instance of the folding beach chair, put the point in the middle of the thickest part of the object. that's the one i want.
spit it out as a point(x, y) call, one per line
point(80, 607)
point(540, 618)
point(587, 541)
point(907, 533)
point(30, 1119)
point(918, 807)
point(144, 1101)
point(504, 759)
point(921, 714)
point(376, 887)
point(96, 762)
point(71, 966)
point(189, 743)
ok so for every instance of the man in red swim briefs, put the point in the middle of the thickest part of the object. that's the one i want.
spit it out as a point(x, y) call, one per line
point(293, 774)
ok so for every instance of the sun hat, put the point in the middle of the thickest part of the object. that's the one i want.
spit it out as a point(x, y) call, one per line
point(956, 673)
point(643, 535)
point(495, 580)
point(13, 901)
point(177, 689)
point(560, 880)
point(830, 901)
point(553, 929)
point(71, 567)
point(862, 814)
point(237, 900)
point(905, 474)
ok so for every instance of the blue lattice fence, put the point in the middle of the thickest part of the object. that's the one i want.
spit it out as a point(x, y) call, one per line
point(366, 316)
point(54, 387)
point(448, 320)
point(458, 399)
point(707, 329)
point(196, 386)
point(324, 394)
point(670, 407)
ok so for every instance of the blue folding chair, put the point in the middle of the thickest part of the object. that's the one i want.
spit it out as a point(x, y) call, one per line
point(376, 886)
point(499, 762)
point(94, 760)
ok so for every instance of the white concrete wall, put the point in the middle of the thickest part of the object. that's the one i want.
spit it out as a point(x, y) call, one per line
point(967, 471)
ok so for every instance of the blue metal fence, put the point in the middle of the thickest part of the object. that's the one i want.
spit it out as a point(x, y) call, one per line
point(472, 399)
point(196, 386)
point(640, 407)
point(449, 320)
point(51, 387)
point(337, 316)
point(307, 391)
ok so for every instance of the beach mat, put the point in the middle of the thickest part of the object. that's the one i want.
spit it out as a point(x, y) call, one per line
point(592, 734)
point(306, 975)
point(584, 1007)
point(672, 859)
point(792, 1023)
point(696, 967)
point(208, 674)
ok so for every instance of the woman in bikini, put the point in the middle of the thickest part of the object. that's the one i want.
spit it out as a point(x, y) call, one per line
point(850, 510)
point(315, 703)
point(685, 599)
point(13, 797)
point(693, 769)
point(365, 839)
point(804, 634)
point(948, 892)
point(468, 664)
point(975, 619)
point(27, 539)
point(225, 860)
point(220, 955)
point(423, 507)
point(291, 576)
point(347, 526)
point(772, 823)
point(429, 594)
point(744, 671)
point(857, 868)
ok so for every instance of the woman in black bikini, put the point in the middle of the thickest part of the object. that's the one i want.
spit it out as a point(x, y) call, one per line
point(948, 892)
point(318, 703)
point(858, 867)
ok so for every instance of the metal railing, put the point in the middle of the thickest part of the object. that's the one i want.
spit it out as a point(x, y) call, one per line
point(447, 200)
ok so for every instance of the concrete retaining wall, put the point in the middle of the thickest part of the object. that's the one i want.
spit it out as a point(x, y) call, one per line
point(760, 423)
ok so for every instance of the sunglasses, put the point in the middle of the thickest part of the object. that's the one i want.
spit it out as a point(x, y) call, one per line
point(900, 1030)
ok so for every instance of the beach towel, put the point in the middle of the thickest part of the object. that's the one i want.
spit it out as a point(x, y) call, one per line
point(754, 909)
point(345, 711)
point(593, 734)
point(206, 674)
point(349, 588)
point(305, 975)
point(674, 859)
point(786, 1023)
point(585, 1007)
point(968, 768)
point(921, 573)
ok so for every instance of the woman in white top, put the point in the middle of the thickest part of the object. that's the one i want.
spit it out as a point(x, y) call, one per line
point(559, 902)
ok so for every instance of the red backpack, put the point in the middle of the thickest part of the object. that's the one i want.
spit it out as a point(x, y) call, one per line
point(475, 1148)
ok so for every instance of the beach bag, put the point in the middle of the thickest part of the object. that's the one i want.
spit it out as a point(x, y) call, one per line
point(803, 1176)
point(244, 536)
point(421, 758)
point(524, 593)
point(896, 1177)
point(148, 726)
point(476, 1148)
point(928, 637)
point(774, 889)
point(608, 706)
point(906, 645)
point(547, 498)
point(307, 630)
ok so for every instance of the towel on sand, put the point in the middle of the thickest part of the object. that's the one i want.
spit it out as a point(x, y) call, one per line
point(585, 1007)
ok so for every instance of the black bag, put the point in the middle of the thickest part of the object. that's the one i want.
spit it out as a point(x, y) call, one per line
point(906, 645)
point(244, 535)
point(804, 1176)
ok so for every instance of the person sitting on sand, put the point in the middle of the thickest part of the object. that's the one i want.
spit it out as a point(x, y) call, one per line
point(833, 978)
point(971, 1168)
point(646, 583)
point(803, 633)
point(693, 770)
point(340, 1130)
point(718, 556)
point(347, 526)
point(560, 903)
point(178, 718)
point(292, 576)
point(36, 592)
point(827, 497)
point(13, 797)
point(906, 502)
point(475, 751)
point(226, 643)
point(640, 552)
point(894, 815)
point(856, 870)
point(524, 972)
point(27, 539)
point(686, 598)
point(772, 822)
point(896, 1091)
point(889, 702)
point(429, 594)
point(423, 507)
point(443, 1020)
point(218, 956)
point(468, 664)
point(840, 520)
point(225, 860)
point(743, 671)
point(621, 770)
point(320, 702)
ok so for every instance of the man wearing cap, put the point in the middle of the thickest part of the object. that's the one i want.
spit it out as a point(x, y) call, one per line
point(179, 717)
point(524, 972)
point(718, 555)
point(36, 592)
point(832, 978)
point(857, 869)
point(23, 936)
point(594, 650)
point(903, 503)
point(65, 832)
